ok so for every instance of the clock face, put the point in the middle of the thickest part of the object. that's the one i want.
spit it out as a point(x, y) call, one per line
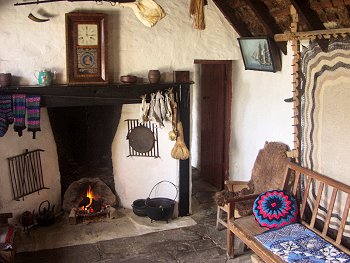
point(87, 35)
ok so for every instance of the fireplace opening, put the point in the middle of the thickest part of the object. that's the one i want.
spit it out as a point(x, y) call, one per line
point(89, 199)
point(84, 142)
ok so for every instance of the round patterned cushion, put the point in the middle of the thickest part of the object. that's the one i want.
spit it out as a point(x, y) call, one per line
point(275, 208)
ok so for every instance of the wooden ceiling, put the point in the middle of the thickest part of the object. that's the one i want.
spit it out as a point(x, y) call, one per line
point(269, 17)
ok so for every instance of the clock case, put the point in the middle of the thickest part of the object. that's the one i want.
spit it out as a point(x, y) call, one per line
point(97, 72)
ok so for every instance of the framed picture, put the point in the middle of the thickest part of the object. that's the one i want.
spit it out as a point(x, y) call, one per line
point(260, 53)
point(86, 48)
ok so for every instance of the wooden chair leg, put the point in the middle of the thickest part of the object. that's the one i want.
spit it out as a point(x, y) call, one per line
point(230, 241)
point(221, 224)
point(218, 216)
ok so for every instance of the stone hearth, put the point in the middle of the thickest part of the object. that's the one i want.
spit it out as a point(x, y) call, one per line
point(76, 192)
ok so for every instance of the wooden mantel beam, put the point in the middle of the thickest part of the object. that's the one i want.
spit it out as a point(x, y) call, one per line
point(80, 95)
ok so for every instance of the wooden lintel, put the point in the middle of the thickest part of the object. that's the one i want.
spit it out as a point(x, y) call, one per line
point(88, 95)
point(312, 35)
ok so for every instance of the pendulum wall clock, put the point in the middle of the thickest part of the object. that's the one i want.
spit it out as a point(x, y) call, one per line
point(86, 48)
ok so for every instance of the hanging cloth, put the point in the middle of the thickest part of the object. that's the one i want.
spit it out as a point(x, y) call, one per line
point(19, 112)
point(33, 113)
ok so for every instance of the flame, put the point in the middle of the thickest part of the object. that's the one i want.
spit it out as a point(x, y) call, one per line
point(89, 194)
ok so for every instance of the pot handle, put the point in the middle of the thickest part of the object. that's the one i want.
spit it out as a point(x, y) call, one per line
point(48, 206)
point(164, 181)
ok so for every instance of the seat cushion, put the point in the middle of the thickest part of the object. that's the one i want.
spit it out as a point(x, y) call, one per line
point(296, 243)
point(275, 209)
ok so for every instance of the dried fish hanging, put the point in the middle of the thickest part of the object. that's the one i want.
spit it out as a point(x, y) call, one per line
point(197, 13)
point(143, 110)
point(168, 114)
point(165, 108)
point(157, 113)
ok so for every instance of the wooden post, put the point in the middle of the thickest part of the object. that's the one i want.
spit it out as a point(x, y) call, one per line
point(296, 56)
point(185, 165)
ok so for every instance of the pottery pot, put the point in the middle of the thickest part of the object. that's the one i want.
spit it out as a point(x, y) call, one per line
point(154, 76)
point(5, 79)
point(45, 77)
point(139, 207)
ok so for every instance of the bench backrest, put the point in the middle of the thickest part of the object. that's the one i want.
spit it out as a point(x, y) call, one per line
point(292, 181)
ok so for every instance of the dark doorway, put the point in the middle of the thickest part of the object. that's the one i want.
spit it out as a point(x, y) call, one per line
point(216, 95)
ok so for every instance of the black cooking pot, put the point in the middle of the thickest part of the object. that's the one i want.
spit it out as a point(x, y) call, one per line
point(160, 208)
point(139, 207)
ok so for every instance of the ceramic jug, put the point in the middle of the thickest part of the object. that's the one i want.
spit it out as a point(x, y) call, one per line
point(45, 77)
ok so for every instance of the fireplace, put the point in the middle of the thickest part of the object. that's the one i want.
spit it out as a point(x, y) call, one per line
point(84, 137)
point(88, 199)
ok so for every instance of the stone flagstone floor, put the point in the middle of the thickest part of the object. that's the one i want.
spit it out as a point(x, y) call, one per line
point(198, 243)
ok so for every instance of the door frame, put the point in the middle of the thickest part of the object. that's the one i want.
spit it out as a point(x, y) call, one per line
point(227, 110)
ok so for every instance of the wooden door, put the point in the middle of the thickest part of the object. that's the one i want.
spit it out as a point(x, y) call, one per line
point(215, 82)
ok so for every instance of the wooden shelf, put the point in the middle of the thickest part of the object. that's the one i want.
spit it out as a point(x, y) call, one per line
point(87, 95)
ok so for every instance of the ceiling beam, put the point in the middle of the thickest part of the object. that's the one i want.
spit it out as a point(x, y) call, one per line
point(240, 27)
point(307, 14)
point(263, 15)
point(311, 19)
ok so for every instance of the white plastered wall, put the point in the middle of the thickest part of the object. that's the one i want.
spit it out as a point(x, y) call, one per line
point(259, 113)
point(133, 49)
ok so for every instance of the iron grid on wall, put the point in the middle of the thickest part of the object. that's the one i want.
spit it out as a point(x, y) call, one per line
point(154, 152)
point(26, 174)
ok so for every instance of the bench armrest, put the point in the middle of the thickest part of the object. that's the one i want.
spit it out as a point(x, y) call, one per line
point(235, 186)
point(237, 199)
point(231, 204)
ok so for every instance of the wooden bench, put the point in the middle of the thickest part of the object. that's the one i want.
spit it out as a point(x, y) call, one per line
point(246, 228)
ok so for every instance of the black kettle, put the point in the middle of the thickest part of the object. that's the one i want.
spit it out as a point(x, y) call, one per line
point(46, 216)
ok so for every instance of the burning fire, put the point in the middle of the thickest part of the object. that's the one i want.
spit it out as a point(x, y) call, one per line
point(86, 203)
point(89, 194)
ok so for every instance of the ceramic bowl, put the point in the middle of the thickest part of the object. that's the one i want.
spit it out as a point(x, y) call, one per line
point(130, 79)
